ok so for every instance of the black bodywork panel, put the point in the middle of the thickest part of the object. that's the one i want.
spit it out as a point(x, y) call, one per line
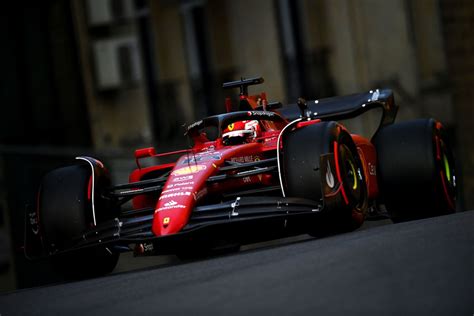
point(346, 107)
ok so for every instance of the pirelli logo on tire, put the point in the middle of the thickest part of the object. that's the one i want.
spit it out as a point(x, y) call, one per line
point(329, 182)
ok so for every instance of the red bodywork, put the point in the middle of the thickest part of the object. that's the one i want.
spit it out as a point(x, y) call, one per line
point(368, 155)
point(186, 184)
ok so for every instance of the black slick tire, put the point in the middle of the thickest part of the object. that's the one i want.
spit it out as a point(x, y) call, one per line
point(415, 170)
point(65, 211)
point(307, 174)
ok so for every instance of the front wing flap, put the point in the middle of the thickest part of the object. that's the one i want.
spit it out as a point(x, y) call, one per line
point(245, 219)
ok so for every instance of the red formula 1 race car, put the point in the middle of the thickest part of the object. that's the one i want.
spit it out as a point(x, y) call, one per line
point(263, 172)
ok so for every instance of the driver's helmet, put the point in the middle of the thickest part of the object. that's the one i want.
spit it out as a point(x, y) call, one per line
point(241, 132)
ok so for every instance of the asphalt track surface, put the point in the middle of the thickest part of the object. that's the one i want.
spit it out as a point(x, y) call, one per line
point(422, 267)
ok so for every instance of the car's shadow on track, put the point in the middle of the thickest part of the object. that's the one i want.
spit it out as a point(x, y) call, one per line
point(128, 263)
point(421, 267)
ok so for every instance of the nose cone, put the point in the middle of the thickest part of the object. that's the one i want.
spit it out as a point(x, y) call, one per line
point(166, 222)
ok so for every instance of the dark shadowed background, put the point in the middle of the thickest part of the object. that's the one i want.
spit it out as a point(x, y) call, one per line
point(103, 77)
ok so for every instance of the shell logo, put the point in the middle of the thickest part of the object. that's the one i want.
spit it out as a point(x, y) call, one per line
point(188, 170)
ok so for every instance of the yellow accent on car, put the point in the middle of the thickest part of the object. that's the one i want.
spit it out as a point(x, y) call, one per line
point(188, 170)
point(354, 174)
point(447, 169)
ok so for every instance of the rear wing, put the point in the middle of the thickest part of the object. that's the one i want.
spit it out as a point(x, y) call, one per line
point(346, 107)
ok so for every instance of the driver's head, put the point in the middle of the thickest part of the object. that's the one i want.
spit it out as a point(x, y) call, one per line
point(241, 132)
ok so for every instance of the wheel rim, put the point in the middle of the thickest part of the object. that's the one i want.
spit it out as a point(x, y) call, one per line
point(351, 175)
point(447, 173)
point(448, 167)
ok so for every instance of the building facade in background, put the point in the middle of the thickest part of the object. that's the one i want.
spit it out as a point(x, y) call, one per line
point(176, 54)
point(107, 76)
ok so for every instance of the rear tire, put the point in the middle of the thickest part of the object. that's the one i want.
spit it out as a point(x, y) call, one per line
point(415, 170)
point(310, 172)
point(65, 211)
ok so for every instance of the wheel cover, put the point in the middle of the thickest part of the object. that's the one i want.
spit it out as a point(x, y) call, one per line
point(447, 171)
point(446, 168)
point(351, 175)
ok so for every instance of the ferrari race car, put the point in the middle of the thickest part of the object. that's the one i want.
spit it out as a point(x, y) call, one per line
point(263, 172)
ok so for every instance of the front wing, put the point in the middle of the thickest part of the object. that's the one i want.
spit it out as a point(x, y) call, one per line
point(244, 220)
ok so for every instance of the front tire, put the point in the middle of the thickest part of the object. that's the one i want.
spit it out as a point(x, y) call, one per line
point(65, 211)
point(321, 163)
